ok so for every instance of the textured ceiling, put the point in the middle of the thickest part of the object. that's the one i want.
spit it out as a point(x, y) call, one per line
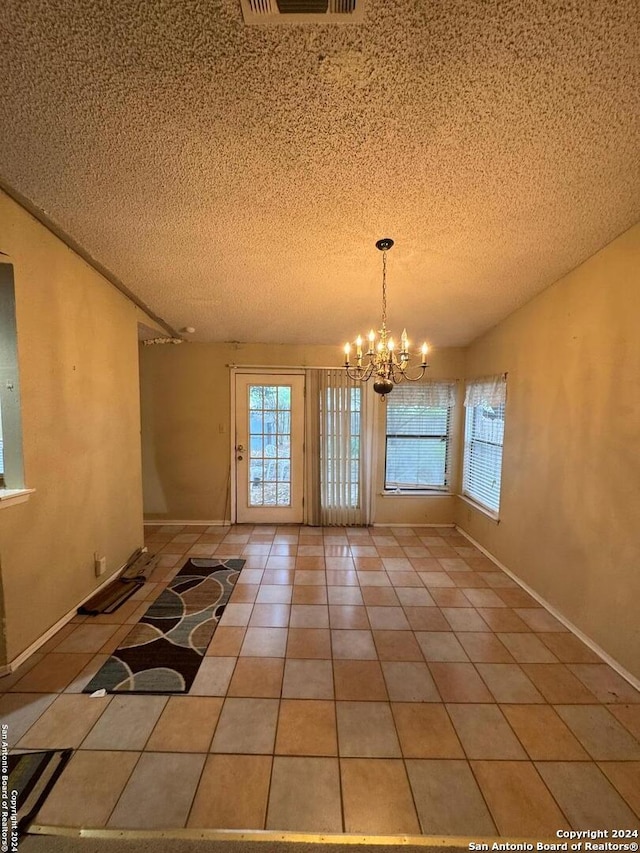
point(236, 178)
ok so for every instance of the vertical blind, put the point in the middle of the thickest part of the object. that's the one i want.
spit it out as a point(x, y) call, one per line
point(484, 434)
point(338, 449)
point(417, 435)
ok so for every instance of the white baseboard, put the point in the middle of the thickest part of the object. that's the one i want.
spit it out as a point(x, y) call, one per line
point(10, 667)
point(187, 523)
point(628, 676)
point(394, 524)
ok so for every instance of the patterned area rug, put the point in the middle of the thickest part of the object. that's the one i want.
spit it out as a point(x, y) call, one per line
point(163, 652)
point(31, 776)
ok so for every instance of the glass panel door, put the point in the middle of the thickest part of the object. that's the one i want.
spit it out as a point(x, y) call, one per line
point(269, 447)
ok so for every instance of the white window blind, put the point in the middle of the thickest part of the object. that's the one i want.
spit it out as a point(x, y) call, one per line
point(417, 436)
point(484, 434)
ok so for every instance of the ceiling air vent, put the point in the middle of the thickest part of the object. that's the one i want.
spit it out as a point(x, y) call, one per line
point(302, 11)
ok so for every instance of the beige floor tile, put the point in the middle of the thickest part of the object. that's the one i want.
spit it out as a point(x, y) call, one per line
point(236, 615)
point(448, 799)
point(244, 593)
point(415, 597)
point(487, 598)
point(353, 644)
point(377, 798)
point(347, 616)
point(126, 723)
point(308, 679)
point(309, 616)
point(159, 793)
point(341, 578)
point(65, 722)
point(387, 618)
point(440, 646)
point(397, 645)
point(449, 597)
point(344, 595)
point(629, 716)
point(508, 683)
point(380, 596)
point(402, 580)
point(306, 577)
point(359, 680)
point(426, 619)
point(19, 711)
point(214, 676)
point(274, 594)
point(373, 578)
point(538, 619)
point(7, 682)
point(586, 796)
point(264, 642)
point(605, 683)
point(309, 643)
point(186, 724)
point(270, 616)
point(543, 734)
point(226, 642)
point(257, 677)
point(309, 595)
point(409, 681)
point(459, 682)
point(88, 789)
point(505, 620)
point(305, 795)
point(604, 738)
point(483, 647)
point(484, 732)
point(366, 729)
point(276, 577)
point(247, 777)
point(625, 777)
point(246, 726)
point(248, 575)
point(53, 673)
point(569, 649)
point(528, 648)
point(425, 731)
point(464, 619)
point(436, 580)
point(85, 675)
point(557, 684)
point(306, 727)
point(518, 799)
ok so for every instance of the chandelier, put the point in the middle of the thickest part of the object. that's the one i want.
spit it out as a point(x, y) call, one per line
point(382, 360)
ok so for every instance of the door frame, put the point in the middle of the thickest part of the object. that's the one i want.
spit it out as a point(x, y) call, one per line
point(262, 371)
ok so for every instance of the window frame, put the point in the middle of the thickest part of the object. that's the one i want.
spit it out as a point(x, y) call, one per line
point(470, 441)
point(391, 487)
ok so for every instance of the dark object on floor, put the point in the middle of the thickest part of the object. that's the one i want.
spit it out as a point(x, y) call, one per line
point(32, 775)
point(132, 577)
point(163, 652)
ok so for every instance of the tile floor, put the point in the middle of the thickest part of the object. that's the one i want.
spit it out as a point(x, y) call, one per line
point(378, 681)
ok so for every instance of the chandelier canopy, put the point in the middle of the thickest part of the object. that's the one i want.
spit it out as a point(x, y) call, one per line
point(383, 361)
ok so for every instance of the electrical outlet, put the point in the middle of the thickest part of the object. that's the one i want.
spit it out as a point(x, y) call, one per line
point(100, 565)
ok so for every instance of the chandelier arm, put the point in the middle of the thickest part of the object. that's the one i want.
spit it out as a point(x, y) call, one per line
point(404, 376)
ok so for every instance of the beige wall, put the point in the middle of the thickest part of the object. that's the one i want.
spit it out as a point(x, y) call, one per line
point(77, 347)
point(186, 420)
point(570, 507)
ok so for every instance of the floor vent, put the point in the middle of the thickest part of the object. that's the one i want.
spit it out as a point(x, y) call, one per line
point(302, 11)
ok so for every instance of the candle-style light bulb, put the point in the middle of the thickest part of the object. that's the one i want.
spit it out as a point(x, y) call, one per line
point(405, 341)
point(347, 350)
point(359, 346)
point(391, 345)
point(424, 349)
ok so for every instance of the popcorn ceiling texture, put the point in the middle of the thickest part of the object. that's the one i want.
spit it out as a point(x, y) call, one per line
point(236, 178)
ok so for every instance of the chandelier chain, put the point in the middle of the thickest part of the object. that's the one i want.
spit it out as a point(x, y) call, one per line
point(384, 291)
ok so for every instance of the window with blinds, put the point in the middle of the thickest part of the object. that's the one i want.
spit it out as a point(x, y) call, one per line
point(417, 436)
point(482, 469)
